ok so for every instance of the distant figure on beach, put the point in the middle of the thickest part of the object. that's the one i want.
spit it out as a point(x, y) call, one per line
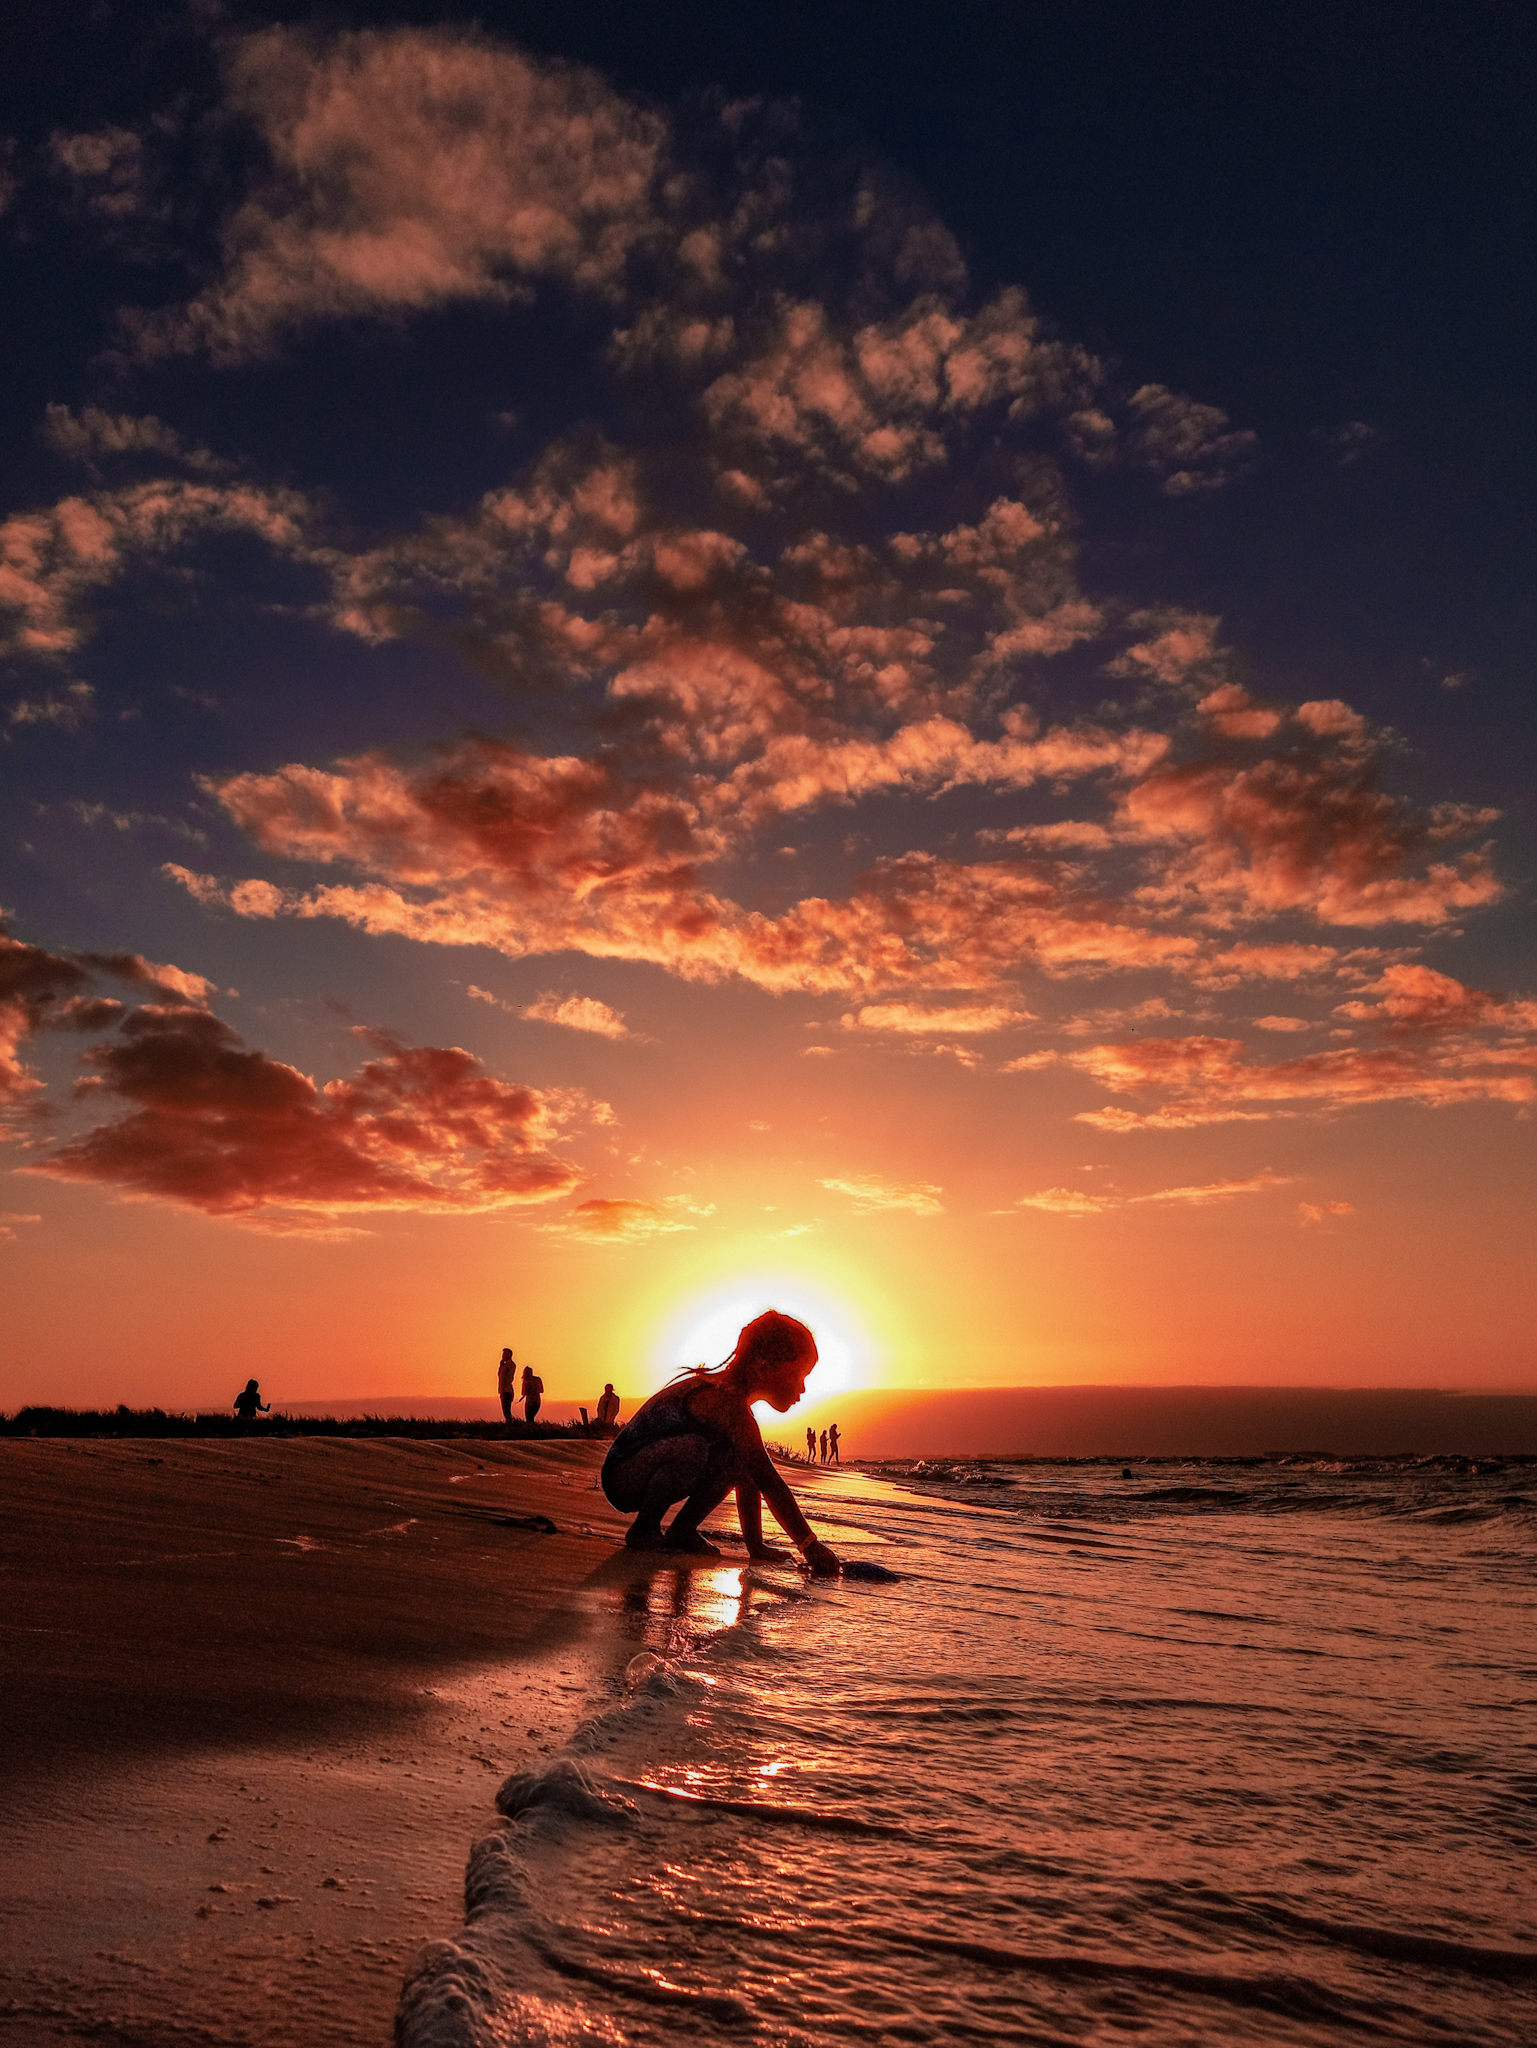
point(824, 1447)
point(608, 1406)
point(532, 1393)
point(506, 1380)
point(811, 1447)
point(250, 1404)
point(697, 1439)
point(832, 1442)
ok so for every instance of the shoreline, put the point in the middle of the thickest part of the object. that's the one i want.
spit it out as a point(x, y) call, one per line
point(256, 1699)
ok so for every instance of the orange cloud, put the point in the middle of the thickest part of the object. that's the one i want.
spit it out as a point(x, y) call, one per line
point(411, 168)
point(35, 987)
point(1305, 828)
point(875, 401)
point(870, 1192)
point(1069, 1202)
point(212, 1124)
point(1178, 1117)
point(1214, 1191)
point(1417, 998)
point(51, 561)
point(91, 433)
point(617, 1222)
point(578, 1013)
point(1231, 712)
point(1309, 1213)
point(914, 1020)
point(1180, 650)
point(43, 991)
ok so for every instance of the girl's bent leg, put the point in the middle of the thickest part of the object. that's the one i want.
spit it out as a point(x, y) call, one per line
point(647, 1484)
point(721, 1474)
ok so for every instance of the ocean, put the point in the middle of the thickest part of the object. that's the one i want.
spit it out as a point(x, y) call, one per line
point(1222, 1751)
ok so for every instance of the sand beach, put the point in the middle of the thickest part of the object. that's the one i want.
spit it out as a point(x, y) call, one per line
point(257, 1697)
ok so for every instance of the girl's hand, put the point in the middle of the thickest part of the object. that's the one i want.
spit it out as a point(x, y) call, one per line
point(823, 1562)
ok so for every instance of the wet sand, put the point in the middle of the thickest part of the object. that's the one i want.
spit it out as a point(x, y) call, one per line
point(255, 1699)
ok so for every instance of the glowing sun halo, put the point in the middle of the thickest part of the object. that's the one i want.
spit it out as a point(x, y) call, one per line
point(705, 1328)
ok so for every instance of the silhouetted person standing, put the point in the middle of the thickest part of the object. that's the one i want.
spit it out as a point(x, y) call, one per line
point(532, 1395)
point(811, 1447)
point(506, 1380)
point(608, 1406)
point(824, 1447)
point(250, 1404)
point(832, 1443)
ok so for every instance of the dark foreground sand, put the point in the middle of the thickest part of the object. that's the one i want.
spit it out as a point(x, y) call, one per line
point(255, 1700)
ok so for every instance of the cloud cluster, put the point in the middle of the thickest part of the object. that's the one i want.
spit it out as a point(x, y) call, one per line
point(53, 561)
point(875, 401)
point(406, 170)
point(42, 991)
point(1304, 826)
point(616, 853)
point(1433, 1042)
point(92, 436)
point(393, 171)
point(1192, 447)
point(836, 573)
point(185, 1112)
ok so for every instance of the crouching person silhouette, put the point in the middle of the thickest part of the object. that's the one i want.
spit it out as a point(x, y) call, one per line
point(697, 1439)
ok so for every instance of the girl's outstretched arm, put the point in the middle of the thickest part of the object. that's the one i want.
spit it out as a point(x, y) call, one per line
point(765, 1476)
point(749, 1510)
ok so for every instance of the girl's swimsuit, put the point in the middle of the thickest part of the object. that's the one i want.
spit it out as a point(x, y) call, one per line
point(665, 1414)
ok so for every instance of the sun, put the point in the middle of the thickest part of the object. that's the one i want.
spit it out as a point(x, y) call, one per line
point(704, 1329)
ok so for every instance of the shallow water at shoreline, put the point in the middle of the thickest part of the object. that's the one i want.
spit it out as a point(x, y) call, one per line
point(1212, 1754)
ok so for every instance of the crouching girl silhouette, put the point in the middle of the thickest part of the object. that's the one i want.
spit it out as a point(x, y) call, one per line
point(697, 1439)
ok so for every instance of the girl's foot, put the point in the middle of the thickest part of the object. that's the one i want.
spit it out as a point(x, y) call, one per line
point(644, 1535)
point(691, 1541)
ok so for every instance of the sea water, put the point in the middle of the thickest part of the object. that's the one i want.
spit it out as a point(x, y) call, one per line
point(1219, 1752)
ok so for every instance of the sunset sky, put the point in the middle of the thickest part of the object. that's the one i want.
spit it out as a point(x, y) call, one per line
point(876, 660)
